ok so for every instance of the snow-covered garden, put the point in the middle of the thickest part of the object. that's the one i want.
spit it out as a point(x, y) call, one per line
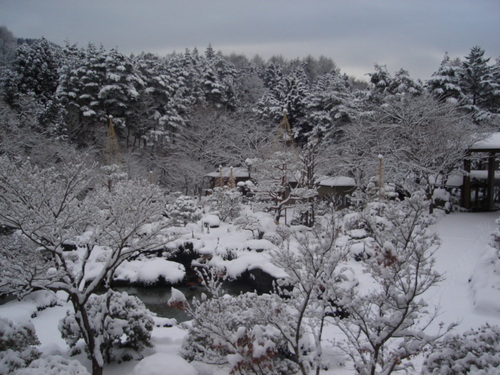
point(340, 246)
point(348, 281)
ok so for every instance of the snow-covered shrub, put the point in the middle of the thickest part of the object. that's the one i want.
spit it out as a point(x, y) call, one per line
point(225, 202)
point(476, 351)
point(384, 328)
point(442, 198)
point(54, 365)
point(284, 232)
point(184, 210)
point(250, 223)
point(274, 238)
point(240, 330)
point(17, 345)
point(311, 289)
point(210, 221)
point(122, 324)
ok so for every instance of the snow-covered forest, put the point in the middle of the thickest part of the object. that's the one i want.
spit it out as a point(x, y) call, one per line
point(104, 181)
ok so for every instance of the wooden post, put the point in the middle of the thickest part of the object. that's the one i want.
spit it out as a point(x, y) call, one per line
point(491, 180)
point(219, 181)
point(232, 180)
point(381, 177)
point(466, 183)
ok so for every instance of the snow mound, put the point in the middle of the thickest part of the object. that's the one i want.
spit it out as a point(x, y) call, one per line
point(212, 221)
point(259, 245)
point(485, 283)
point(54, 365)
point(247, 262)
point(164, 364)
point(148, 271)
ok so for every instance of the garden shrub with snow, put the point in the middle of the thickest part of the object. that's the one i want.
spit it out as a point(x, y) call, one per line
point(387, 316)
point(476, 351)
point(53, 365)
point(17, 345)
point(225, 202)
point(239, 331)
point(124, 330)
point(184, 210)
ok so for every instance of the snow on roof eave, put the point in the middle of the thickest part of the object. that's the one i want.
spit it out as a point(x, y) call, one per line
point(226, 172)
point(336, 181)
point(490, 142)
point(456, 180)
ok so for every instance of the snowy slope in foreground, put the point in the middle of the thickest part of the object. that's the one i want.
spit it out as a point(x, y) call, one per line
point(469, 295)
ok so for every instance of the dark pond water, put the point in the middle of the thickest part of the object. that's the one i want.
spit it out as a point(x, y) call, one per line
point(156, 297)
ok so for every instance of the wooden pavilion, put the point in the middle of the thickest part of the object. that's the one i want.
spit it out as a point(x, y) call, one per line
point(481, 183)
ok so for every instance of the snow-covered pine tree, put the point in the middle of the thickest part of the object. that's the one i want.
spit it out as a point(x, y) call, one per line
point(36, 67)
point(475, 75)
point(445, 83)
point(288, 95)
point(331, 104)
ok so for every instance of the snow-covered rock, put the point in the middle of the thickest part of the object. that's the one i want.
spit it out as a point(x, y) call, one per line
point(259, 245)
point(210, 220)
point(148, 271)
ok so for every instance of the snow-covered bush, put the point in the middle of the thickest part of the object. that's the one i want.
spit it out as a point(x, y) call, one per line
point(476, 351)
point(311, 289)
point(210, 221)
point(53, 365)
point(184, 210)
point(385, 326)
point(274, 238)
point(225, 202)
point(122, 324)
point(442, 198)
point(250, 223)
point(241, 331)
point(17, 345)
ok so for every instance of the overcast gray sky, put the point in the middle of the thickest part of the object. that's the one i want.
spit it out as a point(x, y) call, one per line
point(356, 34)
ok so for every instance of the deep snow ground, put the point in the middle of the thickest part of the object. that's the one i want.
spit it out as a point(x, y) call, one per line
point(465, 239)
point(469, 295)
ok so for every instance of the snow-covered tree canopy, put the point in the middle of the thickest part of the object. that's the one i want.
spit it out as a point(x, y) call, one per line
point(72, 233)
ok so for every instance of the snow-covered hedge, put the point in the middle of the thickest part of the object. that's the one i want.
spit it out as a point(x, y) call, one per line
point(17, 345)
point(54, 365)
point(477, 352)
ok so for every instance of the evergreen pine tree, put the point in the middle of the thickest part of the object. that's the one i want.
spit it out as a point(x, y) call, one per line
point(476, 76)
point(445, 83)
